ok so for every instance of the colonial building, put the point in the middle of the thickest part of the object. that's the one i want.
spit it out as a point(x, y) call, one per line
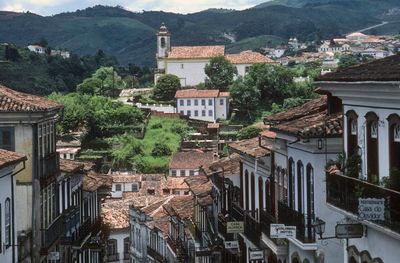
point(189, 163)
point(27, 125)
point(371, 141)
point(206, 105)
point(188, 62)
point(11, 163)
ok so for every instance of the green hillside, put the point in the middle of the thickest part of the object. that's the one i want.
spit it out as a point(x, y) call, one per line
point(130, 37)
point(253, 43)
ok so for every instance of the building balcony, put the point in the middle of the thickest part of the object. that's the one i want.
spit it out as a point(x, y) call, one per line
point(178, 248)
point(127, 256)
point(237, 212)
point(84, 231)
point(50, 165)
point(155, 255)
point(222, 225)
point(303, 223)
point(51, 234)
point(113, 257)
point(343, 192)
point(72, 219)
point(266, 219)
point(252, 229)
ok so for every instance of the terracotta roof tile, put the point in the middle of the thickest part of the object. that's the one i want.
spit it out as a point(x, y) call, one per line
point(249, 147)
point(213, 126)
point(126, 178)
point(181, 206)
point(386, 69)
point(93, 181)
point(196, 52)
point(311, 107)
point(9, 158)
point(190, 160)
point(70, 166)
point(199, 185)
point(177, 183)
point(228, 165)
point(314, 125)
point(14, 101)
point(248, 57)
point(194, 93)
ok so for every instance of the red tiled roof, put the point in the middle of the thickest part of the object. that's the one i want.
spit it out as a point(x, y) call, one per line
point(14, 101)
point(9, 158)
point(181, 206)
point(93, 181)
point(228, 165)
point(70, 166)
point(224, 94)
point(311, 107)
point(268, 134)
point(190, 160)
point(249, 147)
point(194, 93)
point(196, 52)
point(176, 183)
point(313, 125)
point(213, 126)
point(248, 57)
point(386, 69)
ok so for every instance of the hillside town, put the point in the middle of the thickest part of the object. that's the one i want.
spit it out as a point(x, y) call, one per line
point(223, 157)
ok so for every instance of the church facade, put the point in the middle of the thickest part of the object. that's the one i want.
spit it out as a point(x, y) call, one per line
point(188, 62)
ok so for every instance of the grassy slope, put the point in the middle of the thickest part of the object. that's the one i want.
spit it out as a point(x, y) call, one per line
point(160, 135)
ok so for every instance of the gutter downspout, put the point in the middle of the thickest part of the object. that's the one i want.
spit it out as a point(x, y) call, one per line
point(13, 210)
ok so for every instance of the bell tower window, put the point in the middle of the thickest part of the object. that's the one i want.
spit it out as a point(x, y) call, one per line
point(163, 42)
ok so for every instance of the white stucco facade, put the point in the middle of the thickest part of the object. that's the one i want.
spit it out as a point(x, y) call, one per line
point(205, 109)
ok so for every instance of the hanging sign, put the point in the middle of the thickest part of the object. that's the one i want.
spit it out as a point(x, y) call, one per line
point(349, 231)
point(371, 209)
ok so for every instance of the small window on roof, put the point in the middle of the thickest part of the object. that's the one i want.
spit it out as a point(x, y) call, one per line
point(151, 191)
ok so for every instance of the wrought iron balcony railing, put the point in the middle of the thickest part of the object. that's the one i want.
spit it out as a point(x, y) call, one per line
point(52, 233)
point(237, 212)
point(155, 254)
point(344, 192)
point(303, 223)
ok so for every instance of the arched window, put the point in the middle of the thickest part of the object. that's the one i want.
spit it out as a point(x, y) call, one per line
point(394, 142)
point(291, 197)
point(112, 247)
point(372, 147)
point(352, 132)
point(300, 173)
point(126, 245)
point(162, 42)
point(7, 222)
point(253, 194)
point(260, 194)
point(246, 189)
point(310, 199)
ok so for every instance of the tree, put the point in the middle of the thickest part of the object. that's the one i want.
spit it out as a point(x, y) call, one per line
point(11, 53)
point(131, 82)
point(245, 98)
point(347, 61)
point(166, 87)
point(105, 81)
point(89, 86)
point(220, 73)
point(272, 81)
point(248, 132)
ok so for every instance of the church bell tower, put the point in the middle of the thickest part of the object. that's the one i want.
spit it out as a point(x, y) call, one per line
point(163, 42)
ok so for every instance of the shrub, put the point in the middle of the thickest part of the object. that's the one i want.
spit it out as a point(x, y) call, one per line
point(248, 132)
point(156, 126)
point(161, 149)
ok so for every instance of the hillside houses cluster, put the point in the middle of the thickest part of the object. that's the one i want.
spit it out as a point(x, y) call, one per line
point(355, 43)
point(285, 196)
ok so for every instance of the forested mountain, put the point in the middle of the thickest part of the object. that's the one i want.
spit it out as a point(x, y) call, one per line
point(130, 36)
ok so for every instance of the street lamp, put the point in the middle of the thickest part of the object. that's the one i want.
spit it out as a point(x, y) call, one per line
point(319, 227)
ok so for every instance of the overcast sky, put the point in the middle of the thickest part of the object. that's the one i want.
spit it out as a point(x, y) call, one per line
point(50, 7)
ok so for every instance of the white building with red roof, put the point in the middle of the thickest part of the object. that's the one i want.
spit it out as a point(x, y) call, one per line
point(188, 62)
point(205, 105)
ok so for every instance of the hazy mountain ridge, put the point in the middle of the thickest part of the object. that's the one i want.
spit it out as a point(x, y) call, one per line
point(130, 36)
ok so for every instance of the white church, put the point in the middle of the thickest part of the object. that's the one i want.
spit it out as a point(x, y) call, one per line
point(188, 62)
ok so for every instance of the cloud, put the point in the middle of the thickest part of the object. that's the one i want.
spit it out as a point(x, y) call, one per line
point(50, 7)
